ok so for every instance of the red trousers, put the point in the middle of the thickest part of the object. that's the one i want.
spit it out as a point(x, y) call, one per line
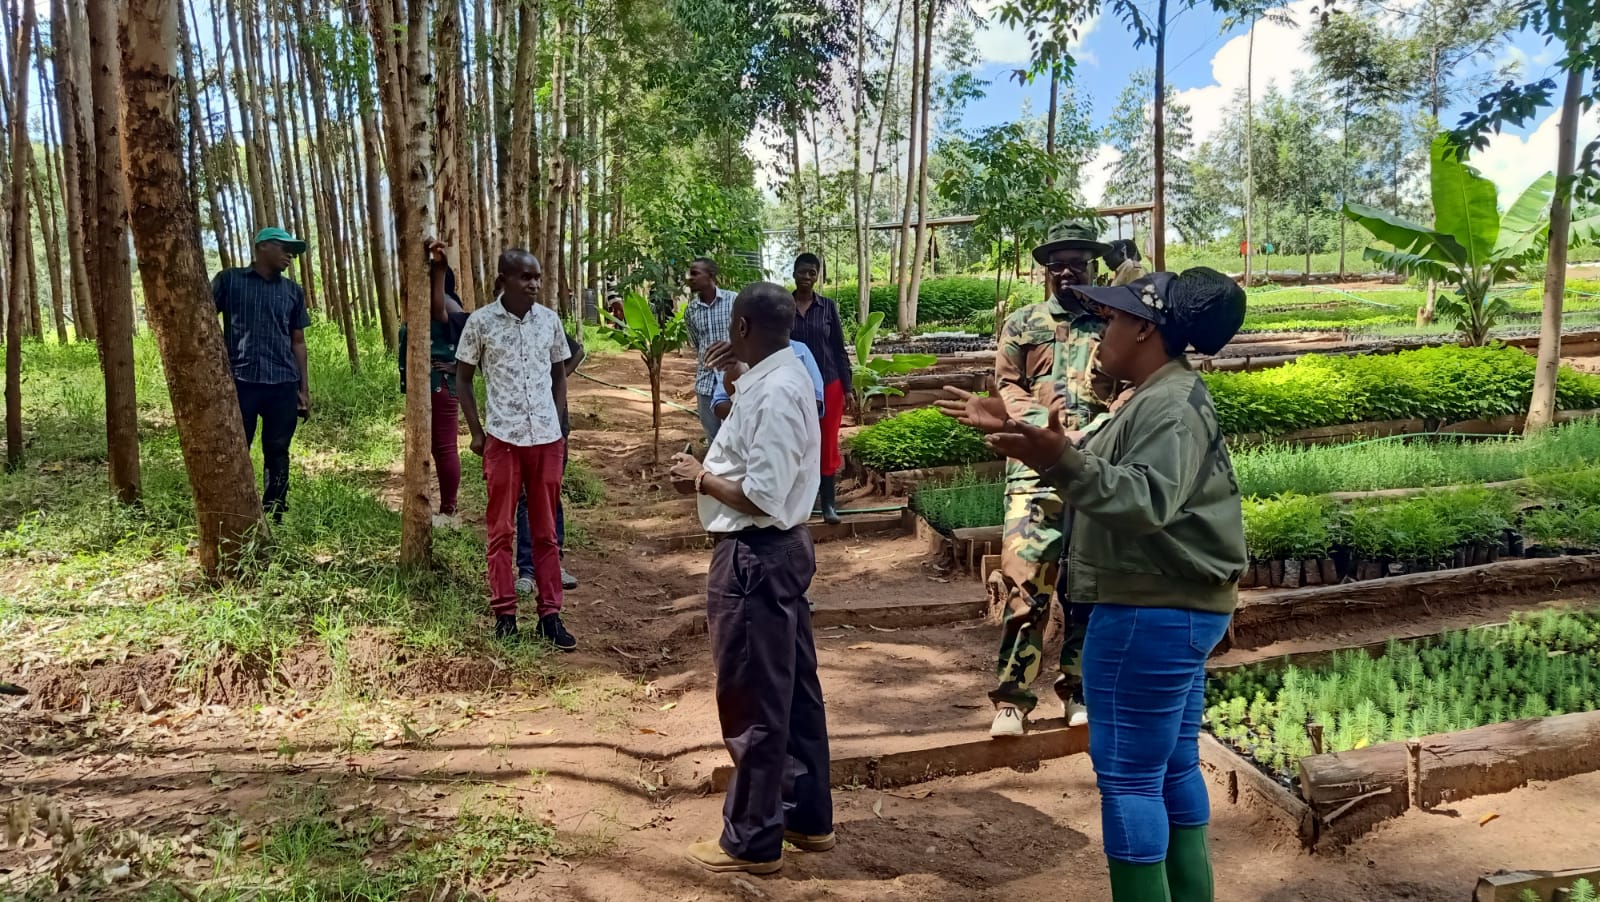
point(509, 469)
point(832, 416)
point(447, 448)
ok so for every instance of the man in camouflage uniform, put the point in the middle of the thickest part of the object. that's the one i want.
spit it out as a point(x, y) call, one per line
point(1045, 361)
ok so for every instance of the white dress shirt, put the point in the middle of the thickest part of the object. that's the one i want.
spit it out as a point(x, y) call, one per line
point(771, 444)
point(515, 357)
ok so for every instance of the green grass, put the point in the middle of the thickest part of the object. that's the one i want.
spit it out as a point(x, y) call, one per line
point(967, 501)
point(1537, 666)
point(1397, 463)
point(102, 578)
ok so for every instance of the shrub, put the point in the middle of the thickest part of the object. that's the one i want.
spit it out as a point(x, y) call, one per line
point(1449, 384)
point(916, 439)
point(951, 299)
point(1293, 527)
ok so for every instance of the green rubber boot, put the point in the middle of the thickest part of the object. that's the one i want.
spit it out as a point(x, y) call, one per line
point(1138, 882)
point(1189, 865)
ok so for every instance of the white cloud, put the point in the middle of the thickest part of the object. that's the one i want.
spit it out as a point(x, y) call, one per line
point(1005, 45)
point(1280, 53)
point(1512, 162)
point(1098, 172)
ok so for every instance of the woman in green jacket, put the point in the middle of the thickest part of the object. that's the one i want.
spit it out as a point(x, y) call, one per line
point(1157, 547)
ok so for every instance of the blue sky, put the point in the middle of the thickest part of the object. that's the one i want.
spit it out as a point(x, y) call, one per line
point(1205, 67)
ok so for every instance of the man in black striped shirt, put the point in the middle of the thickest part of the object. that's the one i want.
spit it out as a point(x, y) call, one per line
point(263, 324)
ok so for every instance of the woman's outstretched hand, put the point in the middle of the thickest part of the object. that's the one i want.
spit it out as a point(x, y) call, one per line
point(983, 414)
point(1039, 447)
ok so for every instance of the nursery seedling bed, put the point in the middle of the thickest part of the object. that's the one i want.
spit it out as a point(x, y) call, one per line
point(1266, 617)
point(1259, 354)
point(1329, 435)
point(1242, 782)
point(1351, 792)
point(904, 482)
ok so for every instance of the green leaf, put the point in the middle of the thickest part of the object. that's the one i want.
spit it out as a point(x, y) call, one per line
point(1407, 236)
point(1412, 264)
point(1465, 205)
point(1527, 223)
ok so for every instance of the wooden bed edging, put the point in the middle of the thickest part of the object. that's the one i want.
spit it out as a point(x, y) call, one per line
point(1507, 886)
point(1273, 616)
point(1242, 781)
point(919, 765)
point(1351, 792)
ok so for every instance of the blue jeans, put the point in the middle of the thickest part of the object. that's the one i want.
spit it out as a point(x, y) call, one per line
point(1144, 680)
point(708, 417)
point(525, 532)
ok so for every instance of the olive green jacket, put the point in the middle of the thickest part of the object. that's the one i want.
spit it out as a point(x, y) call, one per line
point(1157, 519)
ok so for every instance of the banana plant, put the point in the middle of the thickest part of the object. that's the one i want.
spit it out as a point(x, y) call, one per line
point(869, 375)
point(640, 330)
point(1471, 244)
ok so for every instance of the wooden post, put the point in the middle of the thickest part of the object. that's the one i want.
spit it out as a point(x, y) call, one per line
point(1314, 733)
point(1414, 773)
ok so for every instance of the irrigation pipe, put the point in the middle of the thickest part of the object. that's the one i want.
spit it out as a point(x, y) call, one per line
point(642, 394)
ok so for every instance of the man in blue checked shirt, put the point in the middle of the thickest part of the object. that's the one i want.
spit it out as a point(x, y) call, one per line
point(706, 317)
point(263, 325)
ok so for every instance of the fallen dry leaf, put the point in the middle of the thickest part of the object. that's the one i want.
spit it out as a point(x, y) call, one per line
point(668, 706)
point(1487, 818)
point(860, 646)
point(884, 629)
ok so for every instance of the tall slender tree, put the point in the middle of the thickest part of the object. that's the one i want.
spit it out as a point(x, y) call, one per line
point(112, 278)
point(177, 299)
point(69, 40)
point(21, 156)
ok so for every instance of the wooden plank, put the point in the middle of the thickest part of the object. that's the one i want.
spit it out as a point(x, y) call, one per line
point(1509, 886)
point(1267, 617)
point(1355, 790)
point(900, 615)
point(1050, 739)
point(903, 482)
point(1246, 783)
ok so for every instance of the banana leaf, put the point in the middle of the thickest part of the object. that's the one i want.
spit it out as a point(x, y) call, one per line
point(1407, 236)
point(1414, 265)
point(1526, 225)
point(1465, 204)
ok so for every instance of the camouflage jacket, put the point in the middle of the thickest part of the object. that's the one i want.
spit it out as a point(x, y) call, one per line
point(1047, 357)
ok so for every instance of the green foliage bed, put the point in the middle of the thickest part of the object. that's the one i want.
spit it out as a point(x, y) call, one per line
point(1274, 469)
point(1536, 666)
point(967, 501)
point(950, 299)
point(1450, 384)
point(916, 439)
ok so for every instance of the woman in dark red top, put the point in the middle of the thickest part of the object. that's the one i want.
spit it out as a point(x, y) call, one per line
point(817, 326)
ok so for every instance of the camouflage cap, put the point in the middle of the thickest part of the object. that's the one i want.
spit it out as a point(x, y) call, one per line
point(1076, 234)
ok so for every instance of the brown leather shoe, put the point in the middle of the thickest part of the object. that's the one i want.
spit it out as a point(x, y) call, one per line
point(807, 842)
point(710, 856)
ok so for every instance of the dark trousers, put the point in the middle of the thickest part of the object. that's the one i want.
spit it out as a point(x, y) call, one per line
point(525, 534)
point(768, 697)
point(277, 406)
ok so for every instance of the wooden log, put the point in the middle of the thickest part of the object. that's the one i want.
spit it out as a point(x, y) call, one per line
point(904, 482)
point(1350, 792)
point(918, 765)
point(1508, 886)
point(1245, 782)
point(1272, 616)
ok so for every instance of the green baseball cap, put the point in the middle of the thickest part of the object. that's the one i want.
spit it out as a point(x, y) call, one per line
point(1075, 234)
point(293, 245)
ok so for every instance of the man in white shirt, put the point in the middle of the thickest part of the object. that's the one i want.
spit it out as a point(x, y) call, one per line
point(755, 491)
point(521, 348)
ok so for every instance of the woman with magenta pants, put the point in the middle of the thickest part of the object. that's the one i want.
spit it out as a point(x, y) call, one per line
point(1157, 548)
point(817, 326)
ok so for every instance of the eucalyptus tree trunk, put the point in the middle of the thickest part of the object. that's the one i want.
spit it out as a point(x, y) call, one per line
point(44, 202)
point(453, 186)
point(519, 166)
point(177, 297)
point(1158, 210)
point(112, 281)
point(200, 124)
point(859, 111)
point(1542, 409)
point(403, 81)
point(923, 232)
point(238, 172)
point(1249, 153)
point(21, 156)
point(69, 34)
point(555, 179)
point(906, 320)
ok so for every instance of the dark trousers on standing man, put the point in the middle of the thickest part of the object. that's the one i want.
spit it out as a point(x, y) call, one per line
point(278, 408)
point(768, 697)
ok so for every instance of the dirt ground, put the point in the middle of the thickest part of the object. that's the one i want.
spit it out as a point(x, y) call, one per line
point(615, 749)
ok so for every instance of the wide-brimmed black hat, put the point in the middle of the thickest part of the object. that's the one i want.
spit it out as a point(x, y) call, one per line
point(1071, 235)
point(1145, 298)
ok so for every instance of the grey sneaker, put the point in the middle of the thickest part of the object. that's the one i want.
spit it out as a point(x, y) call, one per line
point(568, 581)
point(524, 585)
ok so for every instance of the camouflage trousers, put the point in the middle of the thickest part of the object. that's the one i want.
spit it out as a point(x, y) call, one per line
point(1030, 564)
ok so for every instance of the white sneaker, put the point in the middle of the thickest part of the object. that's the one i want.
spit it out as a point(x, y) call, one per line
point(1076, 713)
point(524, 585)
point(1008, 721)
point(446, 521)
